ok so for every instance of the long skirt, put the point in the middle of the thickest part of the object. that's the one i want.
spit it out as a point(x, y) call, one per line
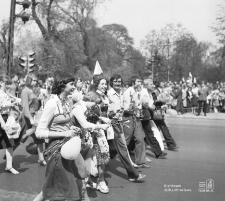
point(4, 141)
point(61, 177)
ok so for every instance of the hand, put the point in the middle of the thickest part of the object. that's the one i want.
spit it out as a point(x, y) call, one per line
point(76, 129)
point(105, 120)
point(69, 133)
point(104, 126)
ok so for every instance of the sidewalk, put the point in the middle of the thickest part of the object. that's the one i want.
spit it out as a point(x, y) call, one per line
point(214, 116)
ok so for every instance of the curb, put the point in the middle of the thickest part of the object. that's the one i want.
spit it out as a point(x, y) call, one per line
point(205, 118)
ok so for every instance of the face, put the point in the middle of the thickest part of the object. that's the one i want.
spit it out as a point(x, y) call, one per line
point(150, 86)
point(69, 88)
point(84, 88)
point(102, 86)
point(117, 84)
point(161, 84)
point(137, 83)
point(79, 84)
point(34, 82)
point(15, 79)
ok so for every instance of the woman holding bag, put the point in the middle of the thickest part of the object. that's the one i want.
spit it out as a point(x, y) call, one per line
point(54, 124)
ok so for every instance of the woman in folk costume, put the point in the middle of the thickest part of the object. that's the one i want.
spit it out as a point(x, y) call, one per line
point(62, 171)
point(31, 105)
point(8, 134)
point(101, 147)
point(79, 119)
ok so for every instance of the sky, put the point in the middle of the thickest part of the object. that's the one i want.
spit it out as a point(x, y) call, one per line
point(141, 16)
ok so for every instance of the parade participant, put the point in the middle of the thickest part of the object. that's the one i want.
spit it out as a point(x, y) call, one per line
point(14, 87)
point(101, 147)
point(5, 142)
point(31, 105)
point(160, 123)
point(116, 110)
point(153, 137)
point(133, 128)
point(54, 124)
point(79, 119)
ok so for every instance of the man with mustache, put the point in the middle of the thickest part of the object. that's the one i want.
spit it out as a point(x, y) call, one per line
point(115, 112)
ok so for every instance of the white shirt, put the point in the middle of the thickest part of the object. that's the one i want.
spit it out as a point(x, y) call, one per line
point(115, 100)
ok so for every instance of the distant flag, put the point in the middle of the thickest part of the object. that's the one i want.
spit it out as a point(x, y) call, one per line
point(183, 79)
point(190, 75)
point(195, 80)
point(98, 69)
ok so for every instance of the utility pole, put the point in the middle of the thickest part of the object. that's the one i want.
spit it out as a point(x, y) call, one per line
point(25, 17)
point(9, 61)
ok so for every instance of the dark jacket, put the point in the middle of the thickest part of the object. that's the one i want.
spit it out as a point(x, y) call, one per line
point(203, 93)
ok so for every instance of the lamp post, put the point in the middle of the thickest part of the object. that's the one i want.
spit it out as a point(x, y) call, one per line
point(25, 17)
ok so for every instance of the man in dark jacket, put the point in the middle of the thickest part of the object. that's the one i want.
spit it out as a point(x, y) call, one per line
point(203, 93)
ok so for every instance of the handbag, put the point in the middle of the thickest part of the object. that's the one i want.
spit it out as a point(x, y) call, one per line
point(158, 114)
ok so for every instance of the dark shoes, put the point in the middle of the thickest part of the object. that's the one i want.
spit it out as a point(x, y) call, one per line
point(162, 155)
point(173, 148)
point(197, 114)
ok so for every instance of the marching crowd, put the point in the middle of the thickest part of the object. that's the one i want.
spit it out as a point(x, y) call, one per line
point(75, 127)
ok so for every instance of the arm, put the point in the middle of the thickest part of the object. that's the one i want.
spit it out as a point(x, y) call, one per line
point(126, 99)
point(25, 103)
point(79, 114)
point(2, 122)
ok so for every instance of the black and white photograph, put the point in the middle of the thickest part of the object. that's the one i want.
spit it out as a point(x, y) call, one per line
point(117, 100)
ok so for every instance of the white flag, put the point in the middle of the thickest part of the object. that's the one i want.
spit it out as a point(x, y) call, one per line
point(98, 69)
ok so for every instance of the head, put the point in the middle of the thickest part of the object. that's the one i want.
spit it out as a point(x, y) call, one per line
point(64, 86)
point(99, 83)
point(31, 81)
point(15, 79)
point(116, 82)
point(5, 83)
point(135, 81)
point(148, 84)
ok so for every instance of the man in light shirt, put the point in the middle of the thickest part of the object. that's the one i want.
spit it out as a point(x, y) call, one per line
point(115, 109)
point(133, 129)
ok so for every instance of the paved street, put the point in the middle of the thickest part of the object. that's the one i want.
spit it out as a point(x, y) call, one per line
point(200, 157)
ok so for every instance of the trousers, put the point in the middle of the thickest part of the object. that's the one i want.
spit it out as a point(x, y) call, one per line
point(133, 131)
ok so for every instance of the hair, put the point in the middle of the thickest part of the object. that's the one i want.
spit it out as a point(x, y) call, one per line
point(146, 82)
point(96, 80)
point(92, 97)
point(133, 79)
point(194, 84)
point(5, 79)
point(115, 77)
point(59, 85)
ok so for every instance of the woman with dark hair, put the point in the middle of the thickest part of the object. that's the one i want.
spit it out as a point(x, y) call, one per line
point(5, 142)
point(31, 105)
point(101, 147)
point(54, 124)
point(80, 119)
